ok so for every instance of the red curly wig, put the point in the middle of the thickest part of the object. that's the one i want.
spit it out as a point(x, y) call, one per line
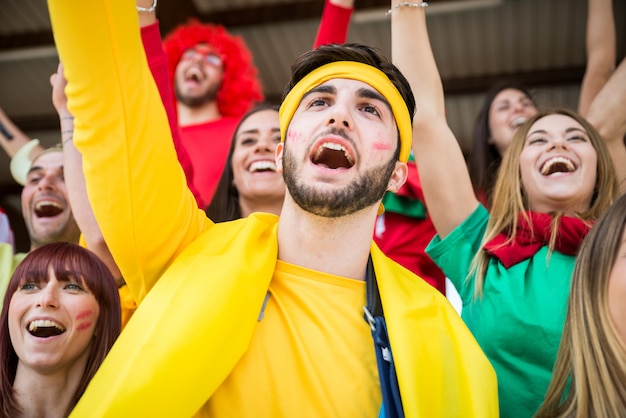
point(240, 86)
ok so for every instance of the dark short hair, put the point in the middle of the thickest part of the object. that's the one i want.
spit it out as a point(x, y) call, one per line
point(326, 54)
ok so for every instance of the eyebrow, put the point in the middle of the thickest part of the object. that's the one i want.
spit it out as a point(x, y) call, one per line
point(575, 129)
point(325, 88)
point(374, 95)
point(256, 130)
point(568, 130)
point(40, 168)
point(363, 92)
point(35, 168)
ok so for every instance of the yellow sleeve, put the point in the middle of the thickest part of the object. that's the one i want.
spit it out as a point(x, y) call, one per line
point(134, 182)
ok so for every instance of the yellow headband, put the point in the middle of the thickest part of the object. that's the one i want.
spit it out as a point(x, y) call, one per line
point(354, 71)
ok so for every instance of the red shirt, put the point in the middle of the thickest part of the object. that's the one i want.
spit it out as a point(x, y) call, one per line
point(403, 237)
point(207, 145)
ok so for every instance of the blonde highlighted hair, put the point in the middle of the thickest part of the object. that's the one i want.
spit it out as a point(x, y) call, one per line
point(589, 378)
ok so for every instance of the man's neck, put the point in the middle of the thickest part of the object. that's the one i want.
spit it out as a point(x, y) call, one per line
point(338, 246)
point(208, 112)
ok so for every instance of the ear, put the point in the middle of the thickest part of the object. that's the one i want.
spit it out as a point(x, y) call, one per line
point(398, 177)
point(279, 157)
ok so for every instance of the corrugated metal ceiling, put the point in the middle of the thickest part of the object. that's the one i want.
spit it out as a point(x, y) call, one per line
point(542, 41)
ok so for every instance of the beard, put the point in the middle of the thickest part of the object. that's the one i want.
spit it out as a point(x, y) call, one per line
point(363, 192)
point(209, 95)
point(65, 231)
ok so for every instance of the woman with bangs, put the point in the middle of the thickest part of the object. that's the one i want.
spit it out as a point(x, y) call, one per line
point(513, 265)
point(60, 317)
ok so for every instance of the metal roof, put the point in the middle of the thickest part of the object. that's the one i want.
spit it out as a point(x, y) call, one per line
point(475, 42)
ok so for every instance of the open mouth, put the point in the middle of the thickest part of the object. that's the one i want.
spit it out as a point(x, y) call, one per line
point(262, 166)
point(44, 328)
point(47, 209)
point(557, 165)
point(194, 74)
point(332, 155)
point(518, 121)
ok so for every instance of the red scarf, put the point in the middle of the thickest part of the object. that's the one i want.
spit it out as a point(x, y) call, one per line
point(529, 238)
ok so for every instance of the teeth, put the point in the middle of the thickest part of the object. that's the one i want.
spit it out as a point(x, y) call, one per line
point(334, 146)
point(44, 323)
point(43, 203)
point(557, 160)
point(337, 147)
point(518, 121)
point(262, 165)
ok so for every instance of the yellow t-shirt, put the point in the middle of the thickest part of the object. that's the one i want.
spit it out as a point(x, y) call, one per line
point(295, 352)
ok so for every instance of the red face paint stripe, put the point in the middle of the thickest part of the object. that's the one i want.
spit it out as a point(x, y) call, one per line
point(83, 326)
point(381, 146)
point(83, 314)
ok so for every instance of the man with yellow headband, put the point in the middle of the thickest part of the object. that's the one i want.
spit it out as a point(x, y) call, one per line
point(259, 317)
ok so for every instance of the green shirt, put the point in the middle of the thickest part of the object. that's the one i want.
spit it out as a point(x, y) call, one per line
point(8, 262)
point(519, 319)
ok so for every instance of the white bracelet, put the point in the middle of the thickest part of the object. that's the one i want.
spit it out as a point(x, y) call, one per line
point(405, 4)
point(148, 9)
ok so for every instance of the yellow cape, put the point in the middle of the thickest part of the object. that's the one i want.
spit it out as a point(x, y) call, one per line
point(205, 308)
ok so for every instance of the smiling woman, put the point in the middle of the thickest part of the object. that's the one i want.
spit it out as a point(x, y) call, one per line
point(250, 182)
point(512, 266)
point(60, 317)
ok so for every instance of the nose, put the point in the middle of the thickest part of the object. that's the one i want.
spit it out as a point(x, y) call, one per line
point(558, 142)
point(517, 107)
point(344, 122)
point(340, 117)
point(340, 121)
point(47, 182)
point(265, 144)
point(49, 297)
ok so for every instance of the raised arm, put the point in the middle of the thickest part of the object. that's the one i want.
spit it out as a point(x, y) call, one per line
point(74, 179)
point(601, 55)
point(607, 115)
point(135, 184)
point(157, 60)
point(12, 138)
point(73, 166)
point(445, 180)
point(333, 28)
